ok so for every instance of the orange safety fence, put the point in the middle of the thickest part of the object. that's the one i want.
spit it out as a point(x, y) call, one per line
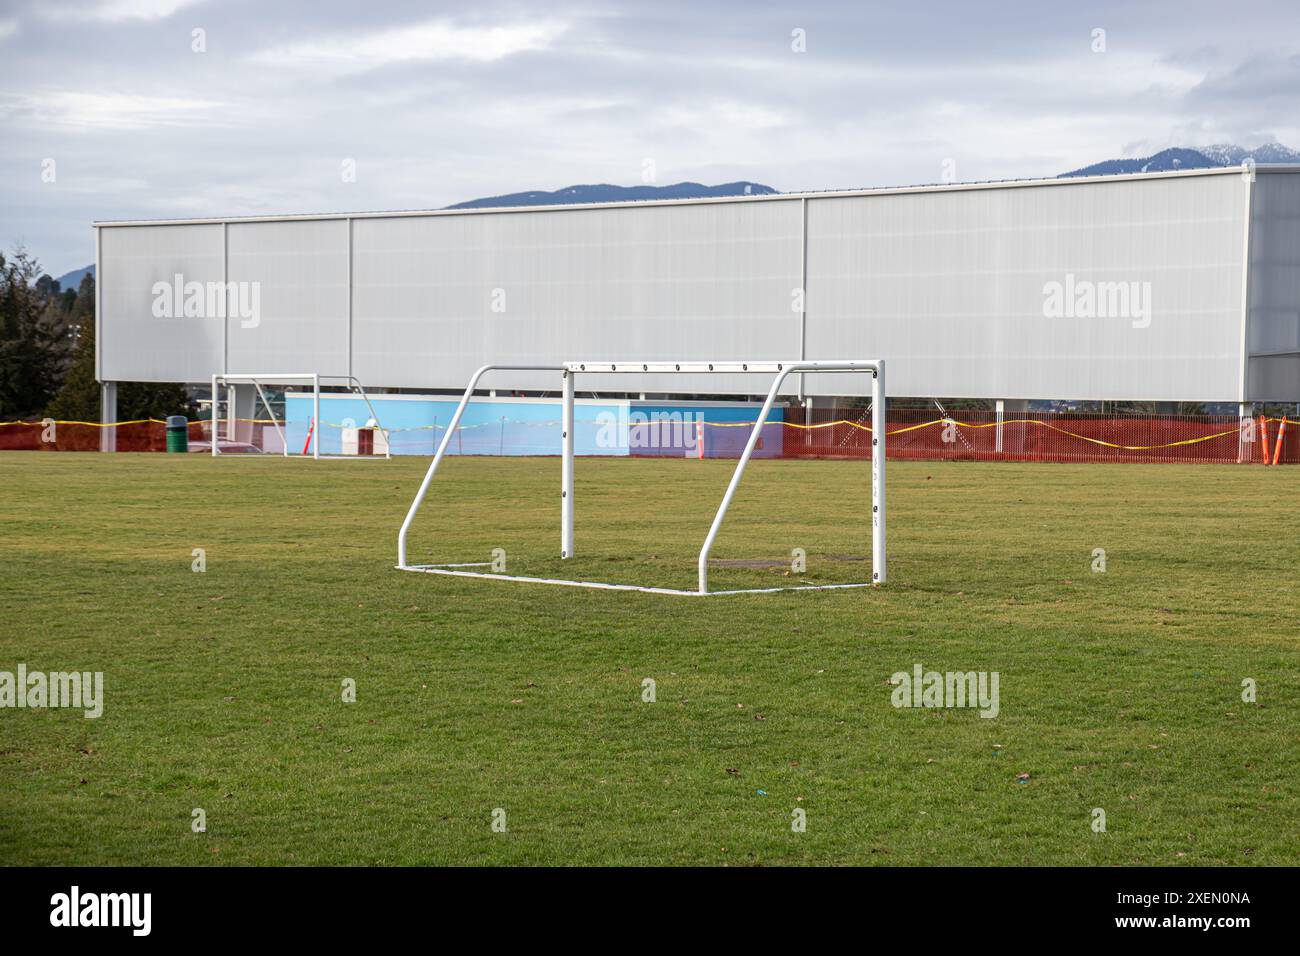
point(1037, 436)
point(917, 434)
point(145, 434)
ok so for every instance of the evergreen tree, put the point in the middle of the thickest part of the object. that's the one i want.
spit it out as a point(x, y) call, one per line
point(78, 399)
point(32, 340)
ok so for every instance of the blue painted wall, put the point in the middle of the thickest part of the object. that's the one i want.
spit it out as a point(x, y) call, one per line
point(532, 426)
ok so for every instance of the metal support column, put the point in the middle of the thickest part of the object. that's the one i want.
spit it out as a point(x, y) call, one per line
point(108, 416)
point(216, 401)
point(315, 411)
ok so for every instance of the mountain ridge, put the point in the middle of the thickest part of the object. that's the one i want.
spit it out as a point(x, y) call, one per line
point(1174, 158)
point(1179, 157)
point(606, 192)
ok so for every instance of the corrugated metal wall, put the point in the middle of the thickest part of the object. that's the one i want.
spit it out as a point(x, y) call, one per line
point(949, 288)
point(301, 269)
point(436, 297)
point(1274, 343)
point(947, 285)
point(134, 344)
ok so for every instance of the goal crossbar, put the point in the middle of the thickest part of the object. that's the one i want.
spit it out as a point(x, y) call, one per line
point(258, 379)
point(569, 371)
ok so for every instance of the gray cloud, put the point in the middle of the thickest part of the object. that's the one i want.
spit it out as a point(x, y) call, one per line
point(440, 103)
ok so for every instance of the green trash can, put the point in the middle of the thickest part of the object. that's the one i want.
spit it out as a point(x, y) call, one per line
point(178, 433)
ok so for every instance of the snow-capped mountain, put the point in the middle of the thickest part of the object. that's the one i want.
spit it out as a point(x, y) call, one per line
point(1204, 157)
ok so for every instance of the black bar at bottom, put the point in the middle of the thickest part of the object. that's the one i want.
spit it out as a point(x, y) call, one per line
point(1021, 906)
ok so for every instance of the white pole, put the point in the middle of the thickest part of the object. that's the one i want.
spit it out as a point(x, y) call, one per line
point(433, 466)
point(232, 403)
point(1245, 412)
point(214, 417)
point(356, 384)
point(566, 469)
point(735, 480)
point(446, 440)
point(878, 426)
point(315, 404)
point(274, 421)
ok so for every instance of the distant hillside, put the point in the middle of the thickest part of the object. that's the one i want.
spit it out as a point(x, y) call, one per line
point(72, 280)
point(1207, 157)
point(607, 193)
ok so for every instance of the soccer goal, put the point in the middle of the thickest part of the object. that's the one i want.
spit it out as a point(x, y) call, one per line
point(569, 371)
point(368, 442)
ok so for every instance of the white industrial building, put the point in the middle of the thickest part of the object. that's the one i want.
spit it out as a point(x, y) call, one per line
point(1163, 287)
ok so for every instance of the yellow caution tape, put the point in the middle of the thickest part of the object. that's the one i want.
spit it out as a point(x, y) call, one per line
point(41, 424)
point(1014, 421)
point(851, 424)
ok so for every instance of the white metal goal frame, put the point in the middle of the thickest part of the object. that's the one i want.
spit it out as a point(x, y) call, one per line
point(569, 372)
point(258, 379)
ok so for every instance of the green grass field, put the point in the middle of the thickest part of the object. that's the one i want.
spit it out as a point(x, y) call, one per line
point(1119, 690)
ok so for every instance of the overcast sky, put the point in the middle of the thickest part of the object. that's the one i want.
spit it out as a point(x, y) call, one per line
point(441, 102)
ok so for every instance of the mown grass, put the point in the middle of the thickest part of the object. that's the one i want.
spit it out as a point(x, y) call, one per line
point(1119, 690)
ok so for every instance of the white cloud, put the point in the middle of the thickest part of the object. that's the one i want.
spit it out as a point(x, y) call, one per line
point(110, 110)
point(432, 40)
point(723, 114)
point(547, 96)
point(113, 10)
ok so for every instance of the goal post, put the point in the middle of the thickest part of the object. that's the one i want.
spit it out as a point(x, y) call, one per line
point(569, 372)
point(314, 380)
